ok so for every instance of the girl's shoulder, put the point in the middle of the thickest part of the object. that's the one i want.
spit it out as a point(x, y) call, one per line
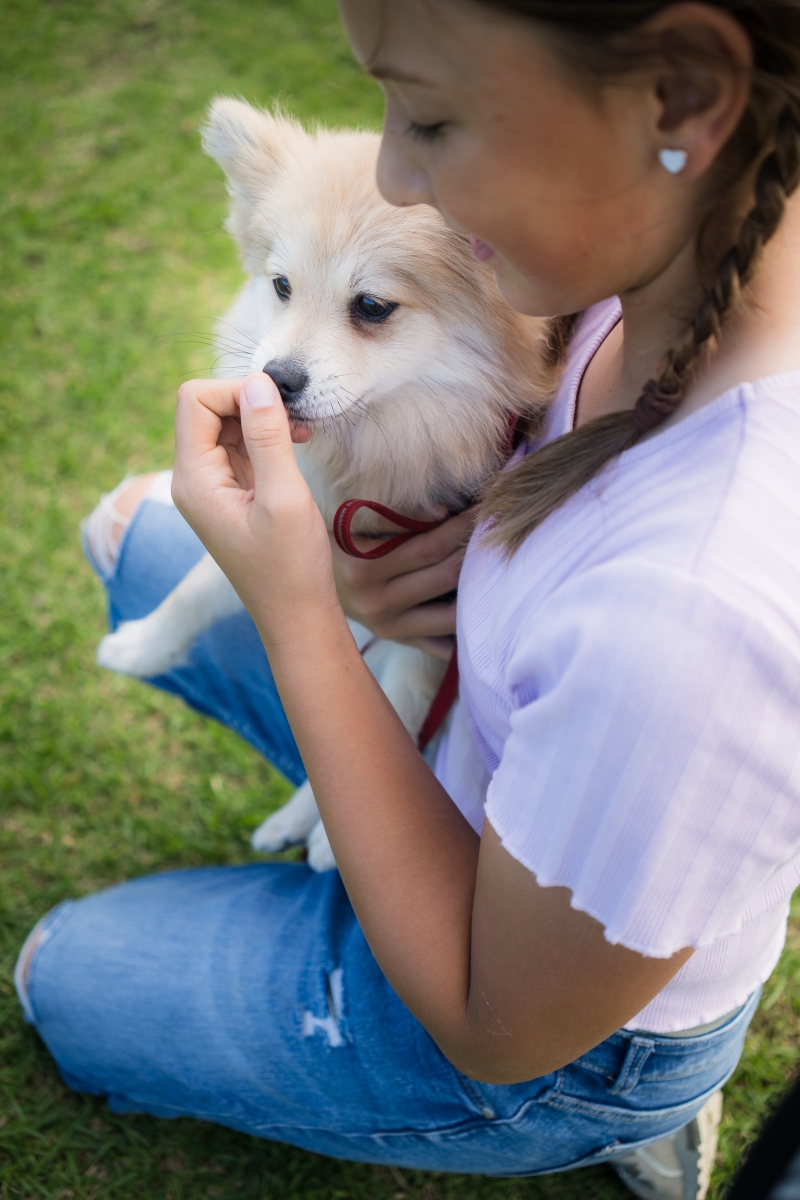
point(749, 549)
point(713, 500)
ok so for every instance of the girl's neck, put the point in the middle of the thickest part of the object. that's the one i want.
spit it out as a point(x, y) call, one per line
point(760, 340)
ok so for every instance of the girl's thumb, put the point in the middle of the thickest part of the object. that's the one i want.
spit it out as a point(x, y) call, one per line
point(265, 427)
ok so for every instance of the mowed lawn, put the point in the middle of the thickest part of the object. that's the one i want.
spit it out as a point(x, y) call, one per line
point(113, 265)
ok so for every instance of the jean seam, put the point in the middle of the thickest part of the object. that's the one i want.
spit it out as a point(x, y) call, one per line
point(474, 1094)
point(463, 1127)
point(664, 1074)
point(639, 1050)
point(707, 1064)
point(589, 1066)
point(458, 1128)
point(693, 1105)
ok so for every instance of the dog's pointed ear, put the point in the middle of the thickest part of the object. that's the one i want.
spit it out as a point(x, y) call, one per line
point(248, 143)
point(251, 146)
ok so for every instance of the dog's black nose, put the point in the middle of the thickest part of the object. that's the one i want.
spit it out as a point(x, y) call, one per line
point(289, 378)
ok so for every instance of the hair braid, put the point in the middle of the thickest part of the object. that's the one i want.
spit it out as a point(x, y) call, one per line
point(600, 39)
point(778, 176)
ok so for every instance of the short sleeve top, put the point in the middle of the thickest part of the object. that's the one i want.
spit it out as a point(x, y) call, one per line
point(629, 714)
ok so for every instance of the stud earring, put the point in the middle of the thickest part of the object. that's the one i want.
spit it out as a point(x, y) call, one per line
point(673, 160)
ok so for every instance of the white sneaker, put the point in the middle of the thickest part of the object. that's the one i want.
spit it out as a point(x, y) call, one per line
point(679, 1166)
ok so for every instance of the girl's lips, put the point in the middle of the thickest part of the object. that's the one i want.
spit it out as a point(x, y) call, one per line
point(480, 249)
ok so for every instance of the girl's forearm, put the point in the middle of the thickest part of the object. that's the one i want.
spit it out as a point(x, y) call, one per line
point(406, 855)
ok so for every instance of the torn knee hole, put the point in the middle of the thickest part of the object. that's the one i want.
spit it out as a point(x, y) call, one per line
point(22, 970)
point(106, 526)
point(27, 957)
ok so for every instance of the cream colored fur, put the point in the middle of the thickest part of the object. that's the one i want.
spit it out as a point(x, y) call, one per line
point(410, 411)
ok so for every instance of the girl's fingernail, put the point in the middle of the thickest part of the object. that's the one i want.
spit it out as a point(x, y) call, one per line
point(260, 391)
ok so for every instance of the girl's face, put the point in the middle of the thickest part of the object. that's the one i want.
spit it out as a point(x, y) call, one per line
point(559, 184)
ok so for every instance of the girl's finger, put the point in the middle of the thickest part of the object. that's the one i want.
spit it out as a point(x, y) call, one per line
point(202, 405)
point(232, 439)
point(437, 647)
point(425, 621)
point(420, 587)
point(433, 547)
point(202, 466)
point(268, 438)
point(231, 436)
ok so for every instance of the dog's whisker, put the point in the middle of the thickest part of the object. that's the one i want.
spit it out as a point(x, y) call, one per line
point(223, 344)
point(239, 332)
point(237, 352)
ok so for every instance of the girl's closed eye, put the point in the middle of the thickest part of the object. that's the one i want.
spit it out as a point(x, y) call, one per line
point(425, 133)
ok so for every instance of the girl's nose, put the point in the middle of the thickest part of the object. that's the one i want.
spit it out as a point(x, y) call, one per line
point(401, 183)
point(402, 179)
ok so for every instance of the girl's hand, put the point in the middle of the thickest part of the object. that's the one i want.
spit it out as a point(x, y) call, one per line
point(230, 505)
point(396, 596)
point(237, 483)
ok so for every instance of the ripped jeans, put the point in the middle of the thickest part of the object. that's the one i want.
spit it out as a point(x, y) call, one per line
point(249, 997)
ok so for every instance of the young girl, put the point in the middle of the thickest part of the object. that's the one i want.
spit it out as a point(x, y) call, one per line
point(544, 952)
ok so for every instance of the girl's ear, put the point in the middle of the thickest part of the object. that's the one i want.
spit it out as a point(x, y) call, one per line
point(699, 97)
point(249, 144)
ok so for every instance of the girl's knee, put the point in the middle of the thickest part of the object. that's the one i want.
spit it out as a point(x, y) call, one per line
point(41, 932)
point(105, 528)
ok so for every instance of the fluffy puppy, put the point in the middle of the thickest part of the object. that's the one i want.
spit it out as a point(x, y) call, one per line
point(386, 336)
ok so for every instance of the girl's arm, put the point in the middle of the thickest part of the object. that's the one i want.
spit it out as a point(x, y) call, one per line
point(509, 980)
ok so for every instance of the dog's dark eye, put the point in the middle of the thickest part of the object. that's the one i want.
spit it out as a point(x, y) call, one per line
point(282, 287)
point(370, 308)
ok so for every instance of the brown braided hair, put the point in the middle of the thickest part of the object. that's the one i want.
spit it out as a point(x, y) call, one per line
point(597, 36)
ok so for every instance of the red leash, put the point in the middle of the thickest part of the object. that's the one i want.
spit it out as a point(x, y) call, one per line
point(441, 704)
point(344, 519)
point(447, 690)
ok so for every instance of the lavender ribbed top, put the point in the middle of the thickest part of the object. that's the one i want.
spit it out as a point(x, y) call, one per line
point(629, 717)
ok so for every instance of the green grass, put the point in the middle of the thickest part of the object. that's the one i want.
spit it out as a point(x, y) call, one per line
point(112, 249)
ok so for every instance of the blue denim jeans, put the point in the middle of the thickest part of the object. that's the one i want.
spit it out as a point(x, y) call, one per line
point(249, 996)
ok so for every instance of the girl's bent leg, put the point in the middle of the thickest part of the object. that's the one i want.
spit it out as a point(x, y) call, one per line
point(141, 547)
point(105, 528)
point(248, 996)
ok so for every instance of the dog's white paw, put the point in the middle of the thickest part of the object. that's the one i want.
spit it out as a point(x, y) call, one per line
point(276, 833)
point(290, 824)
point(137, 648)
point(320, 855)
